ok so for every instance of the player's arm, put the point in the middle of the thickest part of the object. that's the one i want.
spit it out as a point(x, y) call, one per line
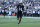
point(23, 8)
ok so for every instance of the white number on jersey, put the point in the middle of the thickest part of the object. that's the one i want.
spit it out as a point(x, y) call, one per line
point(20, 9)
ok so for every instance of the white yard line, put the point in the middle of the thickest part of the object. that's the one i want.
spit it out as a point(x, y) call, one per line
point(22, 17)
point(32, 17)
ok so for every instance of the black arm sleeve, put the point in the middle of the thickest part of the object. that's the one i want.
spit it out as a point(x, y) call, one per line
point(23, 8)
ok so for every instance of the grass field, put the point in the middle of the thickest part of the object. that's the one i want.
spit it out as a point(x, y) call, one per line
point(13, 22)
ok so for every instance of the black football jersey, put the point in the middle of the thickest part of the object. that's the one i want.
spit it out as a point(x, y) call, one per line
point(20, 8)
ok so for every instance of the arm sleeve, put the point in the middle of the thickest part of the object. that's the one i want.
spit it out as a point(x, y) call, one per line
point(23, 8)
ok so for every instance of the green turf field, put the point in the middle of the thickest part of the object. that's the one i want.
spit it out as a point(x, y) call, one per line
point(26, 22)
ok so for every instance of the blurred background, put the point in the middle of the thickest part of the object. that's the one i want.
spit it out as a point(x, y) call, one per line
point(31, 7)
point(31, 13)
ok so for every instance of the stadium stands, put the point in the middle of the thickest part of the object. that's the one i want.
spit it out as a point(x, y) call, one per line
point(29, 4)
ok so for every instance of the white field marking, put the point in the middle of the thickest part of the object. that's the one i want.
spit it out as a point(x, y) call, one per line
point(24, 22)
point(32, 17)
point(22, 17)
point(27, 17)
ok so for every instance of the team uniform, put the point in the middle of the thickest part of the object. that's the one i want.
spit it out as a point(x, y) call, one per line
point(20, 8)
point(4, 12)
point(10, 11)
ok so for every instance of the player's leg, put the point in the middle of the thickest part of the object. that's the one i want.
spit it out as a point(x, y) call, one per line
point(4, 14)
point(17, 17)
point(20, 19)
point(10, 14)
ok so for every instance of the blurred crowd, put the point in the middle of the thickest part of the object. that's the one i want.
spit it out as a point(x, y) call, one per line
point(31, 7)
